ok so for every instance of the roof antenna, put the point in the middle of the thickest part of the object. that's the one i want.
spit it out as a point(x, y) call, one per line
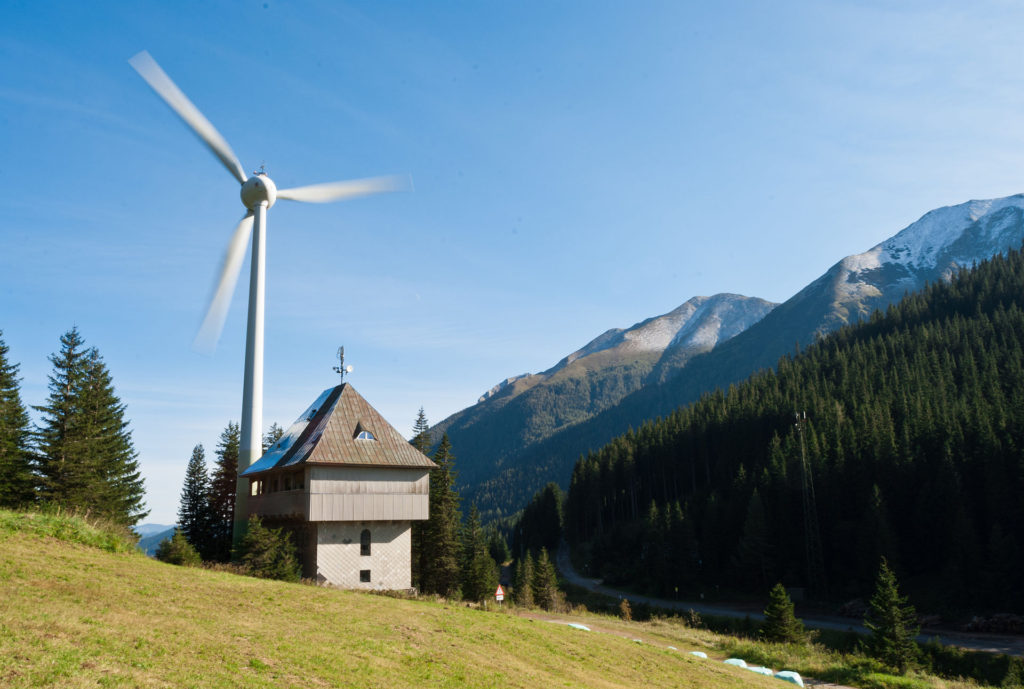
point(341, 369)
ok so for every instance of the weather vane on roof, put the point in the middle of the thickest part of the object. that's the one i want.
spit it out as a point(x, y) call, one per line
point(341, 369)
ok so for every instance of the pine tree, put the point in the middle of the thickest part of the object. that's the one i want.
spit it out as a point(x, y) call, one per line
point(86, 459)
point(16, 479)
point(65, 470)
point(421, 433)
point(421, 441)
point(891, 622)
point(272, 436)
point(176, 550)
point(268, 553)
point(479, 572)
point(545, 583)
point(123, 489)
point(522, 586)
point(222, 493)
point(754, 552)
point(497, 546)
point(780, 622)
point(194, 515)
point(439, 563)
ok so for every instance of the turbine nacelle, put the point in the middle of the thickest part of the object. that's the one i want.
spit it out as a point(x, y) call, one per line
point(259, 190)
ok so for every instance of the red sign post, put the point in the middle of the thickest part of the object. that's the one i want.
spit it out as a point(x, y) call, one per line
point(499, 595)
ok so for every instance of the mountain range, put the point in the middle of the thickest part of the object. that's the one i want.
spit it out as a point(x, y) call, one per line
point(530, 429)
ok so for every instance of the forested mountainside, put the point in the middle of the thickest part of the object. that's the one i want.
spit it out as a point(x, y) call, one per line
point(929, 250)
point(914, 438)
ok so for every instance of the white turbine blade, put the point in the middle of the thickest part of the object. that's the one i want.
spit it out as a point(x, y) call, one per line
point(149, 70)
point(209, 331)
point(339, 191)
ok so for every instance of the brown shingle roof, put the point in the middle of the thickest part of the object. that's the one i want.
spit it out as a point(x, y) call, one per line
point(330, 437)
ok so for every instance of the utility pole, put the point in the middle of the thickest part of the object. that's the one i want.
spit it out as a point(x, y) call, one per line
point(812, 534)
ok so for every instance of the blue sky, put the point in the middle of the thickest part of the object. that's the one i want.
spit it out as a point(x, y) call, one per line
point(577, 166)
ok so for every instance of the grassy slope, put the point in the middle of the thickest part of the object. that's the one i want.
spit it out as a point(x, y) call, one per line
point(75, 615)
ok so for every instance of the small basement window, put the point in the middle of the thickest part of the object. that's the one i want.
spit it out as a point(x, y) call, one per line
point(364, 542)
point(364, 576)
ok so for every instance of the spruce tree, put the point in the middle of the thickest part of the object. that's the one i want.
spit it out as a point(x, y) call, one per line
point(439, 562)
point(522, 586)
point(545, 583)
point(16, 479)
point(66, 473)
point(123, 489)
point(421, 441)
point(222, 493)
point(892, 623)
point(421, 433)
point(268, 553)
point(176, 550)
point(497, 546)
point(479, 573)
point(272, 436)
point(194, 515)
point(780, 621)
point(86, 459)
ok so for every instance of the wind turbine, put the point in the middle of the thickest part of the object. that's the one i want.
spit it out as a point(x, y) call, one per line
point(258, 194)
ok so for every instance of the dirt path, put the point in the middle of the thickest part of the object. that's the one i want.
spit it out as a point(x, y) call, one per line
point(990, 643)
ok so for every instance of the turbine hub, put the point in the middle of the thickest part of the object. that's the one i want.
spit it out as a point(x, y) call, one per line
point(259, 190)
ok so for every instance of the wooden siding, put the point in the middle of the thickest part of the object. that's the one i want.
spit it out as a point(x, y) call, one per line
point(281, 504)
point(368, 494)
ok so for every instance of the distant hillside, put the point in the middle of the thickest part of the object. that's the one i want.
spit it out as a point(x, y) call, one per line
point(914, 430)
point(80, 616)
point(150, 529)
point(149, 544)
point(928, 250)
point(526, 409)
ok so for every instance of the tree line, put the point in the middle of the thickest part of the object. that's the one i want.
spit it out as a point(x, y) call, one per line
point(80, 456)
point(911, 450)
point(458, 557)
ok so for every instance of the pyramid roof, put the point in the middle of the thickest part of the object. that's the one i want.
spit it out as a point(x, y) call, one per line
point(340, 428)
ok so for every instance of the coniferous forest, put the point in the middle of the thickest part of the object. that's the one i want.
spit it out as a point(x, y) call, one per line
point(914, 447)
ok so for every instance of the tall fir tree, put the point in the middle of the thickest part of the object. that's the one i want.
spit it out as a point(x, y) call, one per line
point(479, 572)
point(124, 491)
point(522, 585)
point(86, 459)
point(65, 471)
point(194, 514)
point(545, 582)
point(272, 435)
point(17, 483)
point(421, 441)
point(891, 622)
point(780, 621)
point(439, 556)
point(222, 493)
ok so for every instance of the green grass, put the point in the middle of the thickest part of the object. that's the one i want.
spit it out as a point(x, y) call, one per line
point(79, 610)
point(71, 528)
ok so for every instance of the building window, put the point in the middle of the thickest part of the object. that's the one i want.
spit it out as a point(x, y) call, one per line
point(365, 435)
point(364, 576)
point(364, 543)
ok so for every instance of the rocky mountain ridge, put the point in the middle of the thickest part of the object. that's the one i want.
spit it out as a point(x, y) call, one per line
point(942, 241)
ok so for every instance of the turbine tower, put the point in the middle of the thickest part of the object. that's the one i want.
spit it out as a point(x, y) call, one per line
point(258, 194)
